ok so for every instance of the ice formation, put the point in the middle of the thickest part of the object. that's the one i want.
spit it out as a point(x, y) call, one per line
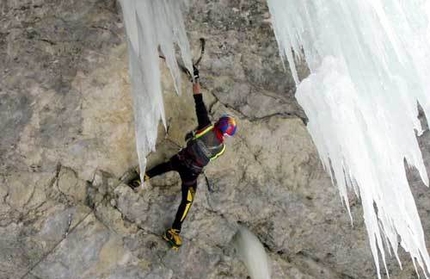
point(252, 253)
point(153, 28)
point(370, 64)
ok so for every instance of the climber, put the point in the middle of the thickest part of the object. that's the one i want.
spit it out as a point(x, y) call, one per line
point(204, 144)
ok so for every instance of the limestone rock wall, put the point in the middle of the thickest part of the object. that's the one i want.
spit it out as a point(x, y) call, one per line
point(68, 135)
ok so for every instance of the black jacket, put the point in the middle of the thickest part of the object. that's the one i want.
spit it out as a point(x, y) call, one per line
point(203, 145)
point(201, 112)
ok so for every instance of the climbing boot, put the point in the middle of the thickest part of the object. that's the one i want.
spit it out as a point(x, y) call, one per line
point(173, 238)
point(136, 182)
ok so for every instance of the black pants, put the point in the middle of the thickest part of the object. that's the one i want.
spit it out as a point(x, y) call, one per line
point(189, 186)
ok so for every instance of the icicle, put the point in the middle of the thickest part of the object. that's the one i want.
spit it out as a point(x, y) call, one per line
point(370, 64)
point(151, 25)
point(252, 253)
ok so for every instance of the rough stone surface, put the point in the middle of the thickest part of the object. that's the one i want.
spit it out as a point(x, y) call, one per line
point(68, 135)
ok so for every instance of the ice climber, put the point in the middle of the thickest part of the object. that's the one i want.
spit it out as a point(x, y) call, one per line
point(204, 144)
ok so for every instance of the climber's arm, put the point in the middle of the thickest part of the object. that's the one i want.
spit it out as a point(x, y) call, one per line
point(201, 111)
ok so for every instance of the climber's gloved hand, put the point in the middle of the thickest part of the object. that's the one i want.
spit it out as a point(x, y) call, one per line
point(196, 76)
point(189, 135)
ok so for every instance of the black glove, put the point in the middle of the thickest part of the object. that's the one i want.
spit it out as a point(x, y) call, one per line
point(189, 135)
point(196, 75)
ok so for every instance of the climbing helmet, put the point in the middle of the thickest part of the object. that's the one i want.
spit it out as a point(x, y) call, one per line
point(227, 125)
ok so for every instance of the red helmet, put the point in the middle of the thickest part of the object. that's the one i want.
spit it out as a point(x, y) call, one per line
point(227, 125)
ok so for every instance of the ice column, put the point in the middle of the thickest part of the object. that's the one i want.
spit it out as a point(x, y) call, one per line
point(370, 65)
point(153, 28)
point(252, 253)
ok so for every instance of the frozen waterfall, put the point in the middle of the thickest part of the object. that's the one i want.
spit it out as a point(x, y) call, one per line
point(370, 64)
point(152, 27)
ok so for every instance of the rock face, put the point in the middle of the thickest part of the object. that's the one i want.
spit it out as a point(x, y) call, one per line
point(68, 135)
